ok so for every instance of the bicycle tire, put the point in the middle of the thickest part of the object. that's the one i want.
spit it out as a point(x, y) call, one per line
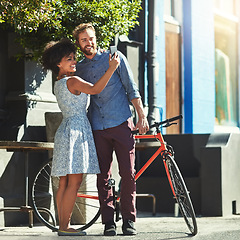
point(181, 194)
point(86, 211)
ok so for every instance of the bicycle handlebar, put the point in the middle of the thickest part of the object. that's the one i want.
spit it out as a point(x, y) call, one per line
point(167, 122)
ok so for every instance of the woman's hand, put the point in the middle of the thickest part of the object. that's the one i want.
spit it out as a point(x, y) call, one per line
point(114, 61)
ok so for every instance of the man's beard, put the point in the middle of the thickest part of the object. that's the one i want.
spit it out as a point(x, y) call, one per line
point(88, 52)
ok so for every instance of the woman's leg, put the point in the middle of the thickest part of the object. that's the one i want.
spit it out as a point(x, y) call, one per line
point(66, 198)
point(60, 192)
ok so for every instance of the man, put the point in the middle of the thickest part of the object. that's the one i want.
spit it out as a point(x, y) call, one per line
point(110, 118)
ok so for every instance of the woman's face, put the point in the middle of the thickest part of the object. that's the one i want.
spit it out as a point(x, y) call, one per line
point(68, 64)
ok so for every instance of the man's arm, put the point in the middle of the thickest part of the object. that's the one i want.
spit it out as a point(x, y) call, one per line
point(142, 124)
point(126, 75)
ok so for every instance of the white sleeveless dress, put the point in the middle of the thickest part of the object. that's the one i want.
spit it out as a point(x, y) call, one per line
point(74, 149)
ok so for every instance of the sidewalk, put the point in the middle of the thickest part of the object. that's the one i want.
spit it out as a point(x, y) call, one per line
point(148, 227)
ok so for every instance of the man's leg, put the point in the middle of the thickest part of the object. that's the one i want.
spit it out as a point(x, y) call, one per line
point(125, 150)
point(104, 151)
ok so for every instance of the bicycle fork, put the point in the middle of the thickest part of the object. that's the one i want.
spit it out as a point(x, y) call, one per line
point(164, 155)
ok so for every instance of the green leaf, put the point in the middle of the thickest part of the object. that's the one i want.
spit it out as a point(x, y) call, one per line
point(40, 21)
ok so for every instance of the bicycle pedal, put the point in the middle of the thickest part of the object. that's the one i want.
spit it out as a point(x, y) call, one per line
point(111, 182)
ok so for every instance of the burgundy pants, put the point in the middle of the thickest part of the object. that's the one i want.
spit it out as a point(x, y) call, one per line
point(121, 140)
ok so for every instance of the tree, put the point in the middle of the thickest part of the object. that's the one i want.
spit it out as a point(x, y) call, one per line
point(40, 21)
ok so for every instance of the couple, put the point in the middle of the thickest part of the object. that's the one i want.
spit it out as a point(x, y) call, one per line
point(109, 116)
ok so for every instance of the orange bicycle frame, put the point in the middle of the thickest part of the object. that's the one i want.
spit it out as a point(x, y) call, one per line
point(161, 149)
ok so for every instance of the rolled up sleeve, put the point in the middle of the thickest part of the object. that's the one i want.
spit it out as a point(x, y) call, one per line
point(127, 79)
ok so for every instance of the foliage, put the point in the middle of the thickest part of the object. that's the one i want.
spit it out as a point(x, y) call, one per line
point(39, 21)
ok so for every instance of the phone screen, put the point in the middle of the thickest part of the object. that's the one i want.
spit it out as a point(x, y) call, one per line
point(113, 49)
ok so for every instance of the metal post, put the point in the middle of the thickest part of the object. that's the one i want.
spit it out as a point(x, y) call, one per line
point(26, 178)
point(151, 62)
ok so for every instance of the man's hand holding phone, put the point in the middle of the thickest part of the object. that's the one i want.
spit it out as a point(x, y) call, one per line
point(113, 51)
point(114, 59)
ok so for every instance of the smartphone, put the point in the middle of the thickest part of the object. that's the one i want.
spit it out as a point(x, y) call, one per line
point(113, 50)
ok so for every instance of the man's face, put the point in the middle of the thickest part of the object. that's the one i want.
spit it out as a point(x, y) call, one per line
point(87, 43)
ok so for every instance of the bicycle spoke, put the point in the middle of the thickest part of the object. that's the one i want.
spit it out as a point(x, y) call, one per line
point(181, 194)
point(86, 210)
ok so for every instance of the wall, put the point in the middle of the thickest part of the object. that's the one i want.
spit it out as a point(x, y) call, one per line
point(220, 175)
point(25, 95)
point(199, 67)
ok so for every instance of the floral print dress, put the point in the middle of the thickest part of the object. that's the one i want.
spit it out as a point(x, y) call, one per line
point(74, 149)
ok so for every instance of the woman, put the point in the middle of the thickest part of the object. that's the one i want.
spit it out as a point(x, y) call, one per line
point(74, 150)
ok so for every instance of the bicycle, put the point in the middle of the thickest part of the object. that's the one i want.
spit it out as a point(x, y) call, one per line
point(87, 210)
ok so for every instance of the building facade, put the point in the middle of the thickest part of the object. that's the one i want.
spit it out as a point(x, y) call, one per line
point(196, 62)
point(188, 54)
point(188, 64)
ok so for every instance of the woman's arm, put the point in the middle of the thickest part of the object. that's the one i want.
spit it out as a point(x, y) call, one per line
point(76, 85)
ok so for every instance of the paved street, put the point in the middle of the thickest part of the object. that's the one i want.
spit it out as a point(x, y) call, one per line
point(148, 227)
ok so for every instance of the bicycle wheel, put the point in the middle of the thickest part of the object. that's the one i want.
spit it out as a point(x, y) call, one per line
point(181, 194)
point(86, 210)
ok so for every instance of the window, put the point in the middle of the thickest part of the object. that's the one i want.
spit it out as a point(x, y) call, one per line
point(226, 79)
point(168, 7)
point(228, 7)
